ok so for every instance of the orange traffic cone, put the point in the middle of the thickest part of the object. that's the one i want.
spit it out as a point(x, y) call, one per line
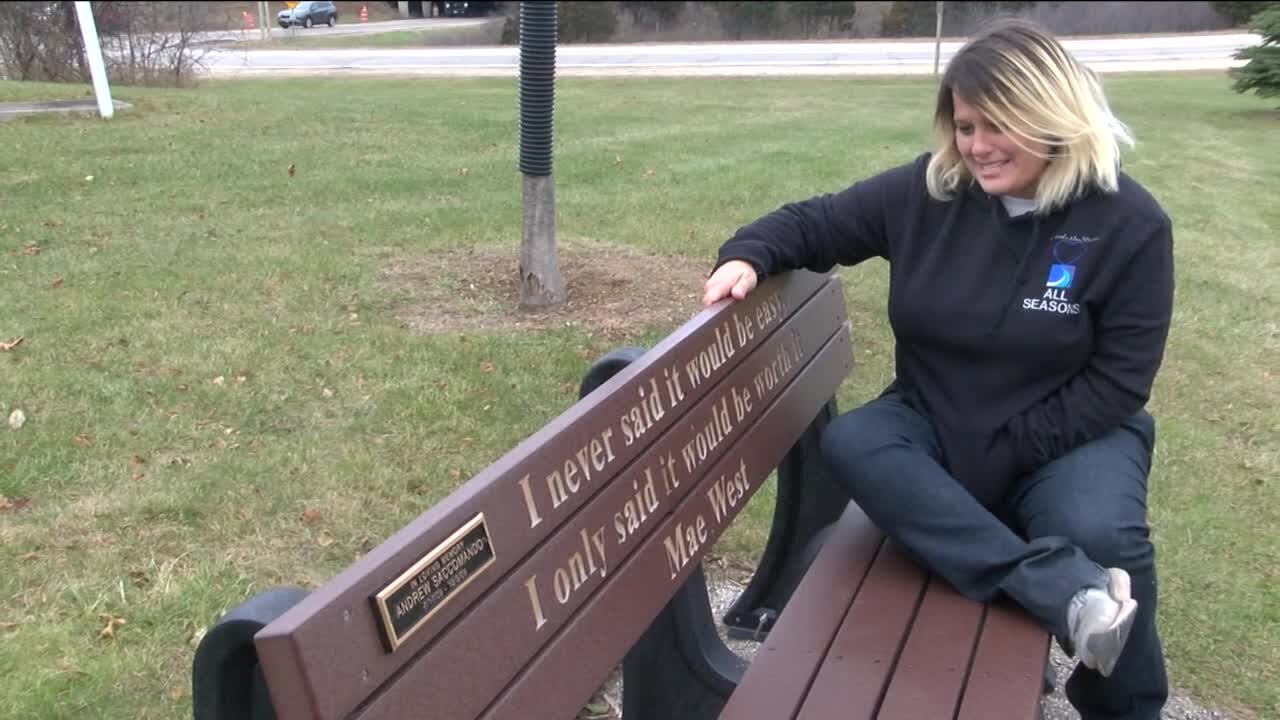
point(364, 13)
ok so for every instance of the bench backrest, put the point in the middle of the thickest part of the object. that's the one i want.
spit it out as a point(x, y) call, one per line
point(517, 595)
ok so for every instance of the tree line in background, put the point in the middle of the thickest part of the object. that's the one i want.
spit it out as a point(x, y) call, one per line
point(659, 20)
point(157, 42)
point(624, 20)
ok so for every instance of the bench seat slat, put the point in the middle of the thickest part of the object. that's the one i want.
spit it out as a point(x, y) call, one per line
point(871, 635)
point(780, 674)
point(862, 660)
point(1002, 683)
point(931, 673)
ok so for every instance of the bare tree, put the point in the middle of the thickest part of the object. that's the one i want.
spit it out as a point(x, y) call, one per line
point(40, 41)
point(143, 43)
point(152, 43)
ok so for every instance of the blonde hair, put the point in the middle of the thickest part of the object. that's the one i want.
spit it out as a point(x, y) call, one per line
point(1022, 79)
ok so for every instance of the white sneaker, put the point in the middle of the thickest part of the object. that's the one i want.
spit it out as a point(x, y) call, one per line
point(1100, 620)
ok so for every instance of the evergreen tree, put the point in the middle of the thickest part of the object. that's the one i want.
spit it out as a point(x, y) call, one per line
point(1262, 73)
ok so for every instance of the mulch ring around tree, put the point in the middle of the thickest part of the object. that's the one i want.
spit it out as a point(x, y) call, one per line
point(613, 292)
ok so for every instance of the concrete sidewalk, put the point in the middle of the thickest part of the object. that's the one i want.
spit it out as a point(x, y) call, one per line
point(10, 110)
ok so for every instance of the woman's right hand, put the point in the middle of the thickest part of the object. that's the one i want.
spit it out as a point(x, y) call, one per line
point(736, 278)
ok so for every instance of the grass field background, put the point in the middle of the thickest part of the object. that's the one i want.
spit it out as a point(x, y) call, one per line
point(219, 397)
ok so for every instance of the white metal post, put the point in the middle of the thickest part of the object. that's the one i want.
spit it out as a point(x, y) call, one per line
point(264, 19)
point(93, 51)
point(937, 47)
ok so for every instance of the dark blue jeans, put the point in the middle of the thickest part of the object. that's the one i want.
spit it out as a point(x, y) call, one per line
point(1053, 534)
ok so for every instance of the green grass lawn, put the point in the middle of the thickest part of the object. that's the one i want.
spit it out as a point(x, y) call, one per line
point(219, 397)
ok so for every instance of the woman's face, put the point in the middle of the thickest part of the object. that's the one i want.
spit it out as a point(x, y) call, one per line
point(999, 164)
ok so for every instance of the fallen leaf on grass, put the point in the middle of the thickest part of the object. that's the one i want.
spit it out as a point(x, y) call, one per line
point(30, 249)
point(8, 626)
point(29, 557)
point(176, 693)
point(310, 515)
point(139, 578)
point(112, 621)
point(17, 504)
point(293, 169)
point(17, 419)
point(487, 367)
point(82, 440)
point(7, 346)
point(219, 381)
point(57, 283)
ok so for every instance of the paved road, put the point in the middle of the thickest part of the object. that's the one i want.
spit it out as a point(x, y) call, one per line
point(11, 110)
point(1173, 52)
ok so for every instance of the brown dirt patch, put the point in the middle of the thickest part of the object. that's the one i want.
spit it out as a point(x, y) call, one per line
point(610, 291)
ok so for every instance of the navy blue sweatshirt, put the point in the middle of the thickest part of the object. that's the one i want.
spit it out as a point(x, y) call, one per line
point(1020, 338)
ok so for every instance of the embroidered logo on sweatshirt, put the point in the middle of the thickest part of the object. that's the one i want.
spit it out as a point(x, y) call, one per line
point(1067, 249)
point(1060, 276)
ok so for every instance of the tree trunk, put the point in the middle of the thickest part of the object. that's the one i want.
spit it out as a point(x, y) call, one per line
point(541, 285)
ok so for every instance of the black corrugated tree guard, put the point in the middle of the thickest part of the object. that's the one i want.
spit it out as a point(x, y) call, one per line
point(541, 285)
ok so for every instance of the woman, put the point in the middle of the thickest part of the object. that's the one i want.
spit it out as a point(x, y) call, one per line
point(1031, 286)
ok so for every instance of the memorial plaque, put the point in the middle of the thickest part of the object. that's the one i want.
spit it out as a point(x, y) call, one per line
point(413, 597)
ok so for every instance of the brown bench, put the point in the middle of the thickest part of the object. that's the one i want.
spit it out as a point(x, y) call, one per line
point(518, 595)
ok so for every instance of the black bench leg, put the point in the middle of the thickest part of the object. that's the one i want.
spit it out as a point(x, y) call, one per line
point(680, 669)
point(809, 502)
point(226, 679)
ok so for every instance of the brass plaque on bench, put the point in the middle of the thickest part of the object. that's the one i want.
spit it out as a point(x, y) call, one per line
point(411, 599)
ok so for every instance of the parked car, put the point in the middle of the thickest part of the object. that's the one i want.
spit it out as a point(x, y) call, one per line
point(309, 13)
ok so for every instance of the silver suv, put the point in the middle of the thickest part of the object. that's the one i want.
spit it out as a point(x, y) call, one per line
point(309, 13)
